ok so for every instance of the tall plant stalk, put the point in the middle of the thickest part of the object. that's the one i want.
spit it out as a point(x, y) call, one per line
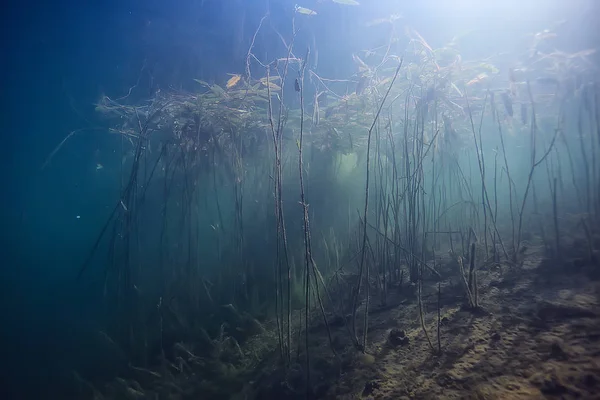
point(364, 233)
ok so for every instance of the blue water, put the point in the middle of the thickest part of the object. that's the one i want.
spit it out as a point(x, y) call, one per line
point(58, 58)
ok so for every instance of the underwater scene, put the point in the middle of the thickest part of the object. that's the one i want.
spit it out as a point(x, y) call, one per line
point(316, 199)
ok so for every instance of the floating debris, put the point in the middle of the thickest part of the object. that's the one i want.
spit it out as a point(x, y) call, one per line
point(347, 2)
point(304, 10)
point(233, 81)
point(478, 79)
point(391, 19)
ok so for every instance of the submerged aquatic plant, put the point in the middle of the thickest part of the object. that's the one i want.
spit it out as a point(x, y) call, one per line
point(442, 169)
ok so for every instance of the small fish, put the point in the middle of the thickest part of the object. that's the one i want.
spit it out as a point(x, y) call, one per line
point(273, 86)
point(524, 113)
point(507, 101)
point(347, 2)
point(233, 81)
point(297, 85)
point(203, 83)
point(99, 166)
point(304, 10)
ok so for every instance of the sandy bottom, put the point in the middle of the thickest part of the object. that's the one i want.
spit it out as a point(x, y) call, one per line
point(536, 336)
